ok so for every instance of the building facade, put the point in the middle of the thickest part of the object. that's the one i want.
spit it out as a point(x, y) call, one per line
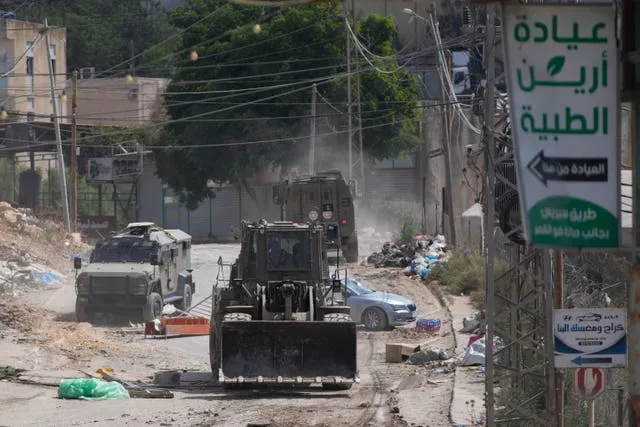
point(25, 91)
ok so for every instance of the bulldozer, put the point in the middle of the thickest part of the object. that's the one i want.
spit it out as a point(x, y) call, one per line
point(280, 319)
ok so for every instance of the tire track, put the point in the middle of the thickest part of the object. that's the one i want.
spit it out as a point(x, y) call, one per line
point(376, 401)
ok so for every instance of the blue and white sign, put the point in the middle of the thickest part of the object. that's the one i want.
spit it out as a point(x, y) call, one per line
point(590, 337)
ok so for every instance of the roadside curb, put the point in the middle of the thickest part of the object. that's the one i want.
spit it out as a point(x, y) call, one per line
point(435, 290)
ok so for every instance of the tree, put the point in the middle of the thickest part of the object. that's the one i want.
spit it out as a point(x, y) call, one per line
point(228, 96)
point(101, 33)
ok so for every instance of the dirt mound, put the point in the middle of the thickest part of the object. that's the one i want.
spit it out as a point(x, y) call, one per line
point(75, 340)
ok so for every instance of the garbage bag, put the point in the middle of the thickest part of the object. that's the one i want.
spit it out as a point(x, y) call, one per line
point(91, 389)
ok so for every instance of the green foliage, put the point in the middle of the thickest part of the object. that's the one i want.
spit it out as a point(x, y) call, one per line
point(464, 273)
point(100, 32)
point(295, 44)
point(409, 229)
point(88, 195)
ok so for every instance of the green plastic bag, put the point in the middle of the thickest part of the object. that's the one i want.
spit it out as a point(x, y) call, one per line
point(91, 389)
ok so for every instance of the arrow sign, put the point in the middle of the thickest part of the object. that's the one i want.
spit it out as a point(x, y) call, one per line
point(568, 169)
point(591, 360)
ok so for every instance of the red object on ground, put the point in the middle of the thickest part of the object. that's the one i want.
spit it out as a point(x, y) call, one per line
point(474, 338)
point(177, 326)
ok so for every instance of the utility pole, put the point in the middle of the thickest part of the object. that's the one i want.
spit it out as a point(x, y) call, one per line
point(444, 68)
point(349, 126)
point(312, 132)
point(360, 136)
point(558, 302)
point(56, 122)
point(489, 51)
point(74, 153)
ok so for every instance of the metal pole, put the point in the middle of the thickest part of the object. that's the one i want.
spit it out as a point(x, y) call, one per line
point(490, 215)
point(164, 206)
point(56, 122)
point(446, 129)
point(360, 136)
point(620, 406)
point(312, 139)
point(349, 118)
point(74, 154)
point(558, 302)
point(210, 216)
point(633, 302)
point(591, 411)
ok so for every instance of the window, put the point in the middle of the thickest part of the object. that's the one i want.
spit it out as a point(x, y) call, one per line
point(312, 196)
point(288, 250)
point(458, 77)
point(29, 76)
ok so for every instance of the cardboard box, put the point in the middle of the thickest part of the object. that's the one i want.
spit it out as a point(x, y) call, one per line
point(398, 352)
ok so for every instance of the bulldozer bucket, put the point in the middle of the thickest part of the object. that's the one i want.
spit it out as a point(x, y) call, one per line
point(288, 352)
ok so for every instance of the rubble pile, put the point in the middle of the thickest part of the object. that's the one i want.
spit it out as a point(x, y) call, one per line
point(33, 251)
point(416, 258)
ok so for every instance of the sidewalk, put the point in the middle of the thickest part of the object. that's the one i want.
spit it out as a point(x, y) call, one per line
point(468, 381)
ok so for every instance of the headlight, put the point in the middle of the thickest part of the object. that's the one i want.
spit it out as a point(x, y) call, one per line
point(138, 287)
point(82, 285)
point(399, 307)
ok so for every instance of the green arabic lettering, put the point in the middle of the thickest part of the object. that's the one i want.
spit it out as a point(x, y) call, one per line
point(575, 38)
point(549, 83)
point(521, 31)
point(527, 122)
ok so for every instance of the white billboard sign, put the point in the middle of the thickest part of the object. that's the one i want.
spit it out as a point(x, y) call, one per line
point(562, 72)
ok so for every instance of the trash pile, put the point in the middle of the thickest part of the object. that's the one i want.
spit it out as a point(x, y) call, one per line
point(416, 258)
point(32, 251)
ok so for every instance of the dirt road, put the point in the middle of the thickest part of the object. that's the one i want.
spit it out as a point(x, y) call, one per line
point(54, 347)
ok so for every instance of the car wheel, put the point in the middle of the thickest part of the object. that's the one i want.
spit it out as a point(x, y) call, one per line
point(153, 308)
point(375, 319)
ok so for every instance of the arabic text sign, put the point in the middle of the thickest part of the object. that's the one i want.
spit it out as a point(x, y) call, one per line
point(563, 85)
point(109, 169)
point(595, 337)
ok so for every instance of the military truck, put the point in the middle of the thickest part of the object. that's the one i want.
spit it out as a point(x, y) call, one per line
point(279, 319)
point(140, 269)
point(324, 197)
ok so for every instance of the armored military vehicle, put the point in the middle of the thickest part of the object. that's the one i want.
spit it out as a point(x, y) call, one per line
point(279, 319)
point(325, 197)
point(140, 269)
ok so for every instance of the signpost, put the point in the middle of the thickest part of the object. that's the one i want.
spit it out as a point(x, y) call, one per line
point(591, 337)
point(562, 72)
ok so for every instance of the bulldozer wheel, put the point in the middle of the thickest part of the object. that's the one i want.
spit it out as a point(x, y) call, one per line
point(237, 317)
point(214, 349)
point(337, 317)
point(337, 386)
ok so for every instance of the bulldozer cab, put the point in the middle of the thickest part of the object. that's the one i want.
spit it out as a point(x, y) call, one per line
point(282, 251)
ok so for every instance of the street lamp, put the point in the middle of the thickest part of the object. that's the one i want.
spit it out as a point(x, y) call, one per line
point(210, 186)
point(164, 205)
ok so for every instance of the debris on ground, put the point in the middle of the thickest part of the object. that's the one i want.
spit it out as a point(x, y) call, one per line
point(416, 258)
point(474, 354)
point(473, 324)
point(91, 389)
point(9, 372)
point(428, 355)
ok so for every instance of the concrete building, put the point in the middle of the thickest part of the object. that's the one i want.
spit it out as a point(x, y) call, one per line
point(116, 102)
point(24, 69)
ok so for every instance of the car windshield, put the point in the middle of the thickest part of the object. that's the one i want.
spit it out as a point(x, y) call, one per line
point(357, 288)
point(288, 250)
point(138, 251)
